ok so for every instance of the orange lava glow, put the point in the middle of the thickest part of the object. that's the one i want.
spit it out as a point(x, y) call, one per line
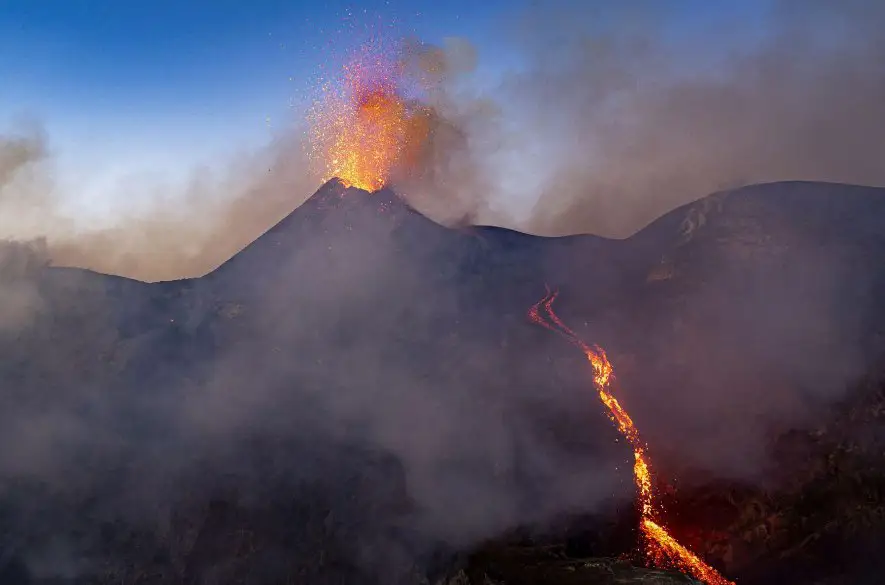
point(363, 128)
point(661, 548)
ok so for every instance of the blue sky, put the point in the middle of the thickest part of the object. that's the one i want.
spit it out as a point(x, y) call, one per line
point(108, 57)
point(158, 86)
point(164, 84)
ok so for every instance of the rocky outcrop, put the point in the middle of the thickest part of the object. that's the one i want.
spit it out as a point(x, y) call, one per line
point(551, 566)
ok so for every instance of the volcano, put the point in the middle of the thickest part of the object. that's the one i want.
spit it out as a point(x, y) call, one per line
point(357, 396)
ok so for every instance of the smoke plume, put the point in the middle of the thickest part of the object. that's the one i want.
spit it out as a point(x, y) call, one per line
point(142, 394)
point(625, 111)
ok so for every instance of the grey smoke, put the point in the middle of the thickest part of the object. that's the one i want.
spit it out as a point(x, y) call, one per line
point(627, 110)
point(319, 366)
point(643, 131)
point(797, 106)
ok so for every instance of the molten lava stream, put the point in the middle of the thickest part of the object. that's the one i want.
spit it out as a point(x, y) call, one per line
point(661, 548)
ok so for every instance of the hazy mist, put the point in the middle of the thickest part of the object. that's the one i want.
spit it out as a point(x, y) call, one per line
point(622, 122)
point(349, 347)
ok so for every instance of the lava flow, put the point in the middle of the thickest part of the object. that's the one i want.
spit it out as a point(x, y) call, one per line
point(363, 126)
point(661, 548)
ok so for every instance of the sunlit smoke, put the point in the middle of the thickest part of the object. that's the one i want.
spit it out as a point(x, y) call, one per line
point(660, 546)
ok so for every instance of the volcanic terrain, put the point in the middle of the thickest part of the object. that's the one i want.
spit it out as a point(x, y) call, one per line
point(359, 397)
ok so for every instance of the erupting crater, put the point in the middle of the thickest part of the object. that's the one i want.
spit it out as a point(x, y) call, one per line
point(363, 127)
point(364, 130)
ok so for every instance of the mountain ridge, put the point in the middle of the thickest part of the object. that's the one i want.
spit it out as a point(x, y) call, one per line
point(373, 376)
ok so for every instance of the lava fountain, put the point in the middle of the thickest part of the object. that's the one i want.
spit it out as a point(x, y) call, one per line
point(661, 548)
point(363, 127)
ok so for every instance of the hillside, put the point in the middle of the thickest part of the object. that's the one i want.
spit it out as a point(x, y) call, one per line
point(357, 396)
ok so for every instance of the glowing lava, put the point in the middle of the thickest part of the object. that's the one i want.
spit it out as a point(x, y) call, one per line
point(363, 127)
point(661, 548)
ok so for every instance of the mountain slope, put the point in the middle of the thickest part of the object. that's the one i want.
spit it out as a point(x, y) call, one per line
point(773, 292)
point(360, 384)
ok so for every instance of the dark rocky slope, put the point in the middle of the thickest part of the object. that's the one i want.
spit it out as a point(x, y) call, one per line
point(357, 395)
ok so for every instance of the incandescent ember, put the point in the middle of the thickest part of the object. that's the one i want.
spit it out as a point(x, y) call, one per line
point(364, 126)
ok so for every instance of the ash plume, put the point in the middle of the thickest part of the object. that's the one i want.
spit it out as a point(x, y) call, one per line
point(630, 132)
point(25, 197)
point(22, 199)
point(447, 174)
point(622, 112)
